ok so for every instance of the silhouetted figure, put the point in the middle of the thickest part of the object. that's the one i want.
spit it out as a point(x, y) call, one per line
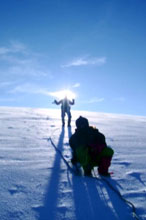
point(89, 148)
point(65, 109)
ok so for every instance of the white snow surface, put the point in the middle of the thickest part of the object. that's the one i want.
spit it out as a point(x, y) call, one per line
point(36, 184)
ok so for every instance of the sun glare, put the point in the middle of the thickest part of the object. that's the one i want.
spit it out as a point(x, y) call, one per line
point(64, 93)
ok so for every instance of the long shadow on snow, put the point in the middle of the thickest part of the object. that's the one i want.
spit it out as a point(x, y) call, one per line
point(48, 211)
point(69, 132)
point(121, 208)
point(89, 200)
point(94, 199)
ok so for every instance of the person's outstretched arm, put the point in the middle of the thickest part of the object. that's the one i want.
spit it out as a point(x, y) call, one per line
point(72, 102)
point(57, 102)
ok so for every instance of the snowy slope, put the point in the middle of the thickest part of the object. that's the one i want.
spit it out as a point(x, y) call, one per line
point(35, 183)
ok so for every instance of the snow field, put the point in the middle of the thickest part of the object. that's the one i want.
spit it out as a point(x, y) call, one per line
point(36, 184)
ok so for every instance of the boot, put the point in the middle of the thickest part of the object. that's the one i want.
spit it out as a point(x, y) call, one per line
point(104, 165)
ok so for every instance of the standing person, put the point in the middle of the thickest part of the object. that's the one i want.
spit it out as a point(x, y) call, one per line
point(90, 149)
point(65, 109)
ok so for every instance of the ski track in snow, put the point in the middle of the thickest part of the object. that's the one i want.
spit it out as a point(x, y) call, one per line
point(36, 183)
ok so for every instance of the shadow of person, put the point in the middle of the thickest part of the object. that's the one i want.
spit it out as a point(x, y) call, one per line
point(69, 132)
point(88, 200)
point(118, 203)
point(94, 199)
point(69, 135)
point(48, 211)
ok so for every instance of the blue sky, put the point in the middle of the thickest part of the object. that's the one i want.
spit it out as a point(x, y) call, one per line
point(95, 48)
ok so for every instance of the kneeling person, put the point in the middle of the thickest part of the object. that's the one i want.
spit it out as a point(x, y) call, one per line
point(89, 148)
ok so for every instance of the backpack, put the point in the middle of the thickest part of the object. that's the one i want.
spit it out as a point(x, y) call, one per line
point(96, 142)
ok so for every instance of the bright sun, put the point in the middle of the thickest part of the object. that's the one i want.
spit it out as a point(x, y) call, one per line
point(64, 93)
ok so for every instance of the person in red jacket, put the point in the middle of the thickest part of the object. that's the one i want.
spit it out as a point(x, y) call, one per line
point(89, 148)
point(65, 109)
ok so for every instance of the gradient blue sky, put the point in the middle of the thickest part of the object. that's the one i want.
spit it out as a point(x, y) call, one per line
point(96, 48)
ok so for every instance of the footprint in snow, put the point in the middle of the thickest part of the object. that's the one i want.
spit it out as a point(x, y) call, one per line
point(16, 189)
